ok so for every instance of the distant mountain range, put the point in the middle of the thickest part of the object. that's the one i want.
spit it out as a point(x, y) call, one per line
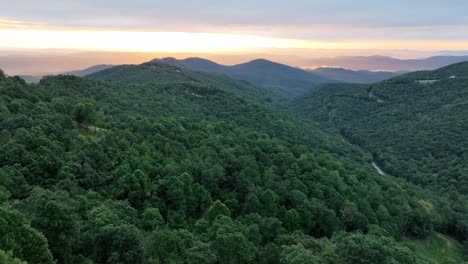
point(361, 69)
point(30, 64)
point(266, 73)
point(260, 78)
point(260, 72)
point(292, 81)
point(383, 63)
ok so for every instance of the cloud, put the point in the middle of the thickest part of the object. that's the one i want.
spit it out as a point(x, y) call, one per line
point(15, 24)
point(185, 13)
point(311, 24)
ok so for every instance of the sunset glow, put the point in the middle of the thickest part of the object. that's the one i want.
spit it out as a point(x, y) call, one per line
point(138, 41)
point(131, 41)
point(300, 33)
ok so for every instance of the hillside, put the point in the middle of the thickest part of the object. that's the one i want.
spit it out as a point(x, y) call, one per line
point(414, 125)
point(159, 73)
point(291, 81)
point(455, 71)
point(350, 76)
point(408, 122)
point(436, 249)
point(182, 172)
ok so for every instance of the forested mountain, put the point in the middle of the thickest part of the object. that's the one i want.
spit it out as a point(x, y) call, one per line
point(350, 76)
point(415, 125)
point(160, 73)
point(291, 81)
point(185, 172)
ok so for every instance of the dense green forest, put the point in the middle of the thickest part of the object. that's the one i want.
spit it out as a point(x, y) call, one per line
point(415, 126)
point(177, 170)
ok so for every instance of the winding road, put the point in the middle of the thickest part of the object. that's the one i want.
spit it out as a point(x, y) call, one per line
point(377, 168)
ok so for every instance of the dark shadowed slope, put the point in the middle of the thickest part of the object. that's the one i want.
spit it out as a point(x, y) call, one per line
point(292, 81)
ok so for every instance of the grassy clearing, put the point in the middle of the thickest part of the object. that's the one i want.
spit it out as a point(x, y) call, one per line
point(426, 81)
point(436, 249)
point(96, 129)
point(91, 132)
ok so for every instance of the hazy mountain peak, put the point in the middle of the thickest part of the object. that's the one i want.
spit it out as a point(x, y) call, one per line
point(90, 70)
point(261, 60)
point(166, 59)
point(350, 76)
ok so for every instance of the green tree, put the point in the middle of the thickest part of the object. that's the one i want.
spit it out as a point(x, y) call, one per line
point(297, 254)
point(218, 208)
point(7, 258)
point(54, 214)
point(85, 114)
point(136, 187)
point(176, 246)
point(151, 219)
point(252, 204)
point(358, 248)
point(230, 243)
point(22, 240)
point(199, 253)
point(292, 220)
point(119, 244)
point(269, 201)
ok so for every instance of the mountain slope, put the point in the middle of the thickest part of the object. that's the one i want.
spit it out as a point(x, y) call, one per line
point(426, 109)
point(175, 171)
point(349, 76)
point(160, 73)
point(292, 81)
point(455, 71)
point(415, 126)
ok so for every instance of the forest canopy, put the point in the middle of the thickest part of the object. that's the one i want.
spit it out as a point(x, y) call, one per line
point(175, 171)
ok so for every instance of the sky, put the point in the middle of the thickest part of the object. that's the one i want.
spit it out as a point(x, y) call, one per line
point(230, 29)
